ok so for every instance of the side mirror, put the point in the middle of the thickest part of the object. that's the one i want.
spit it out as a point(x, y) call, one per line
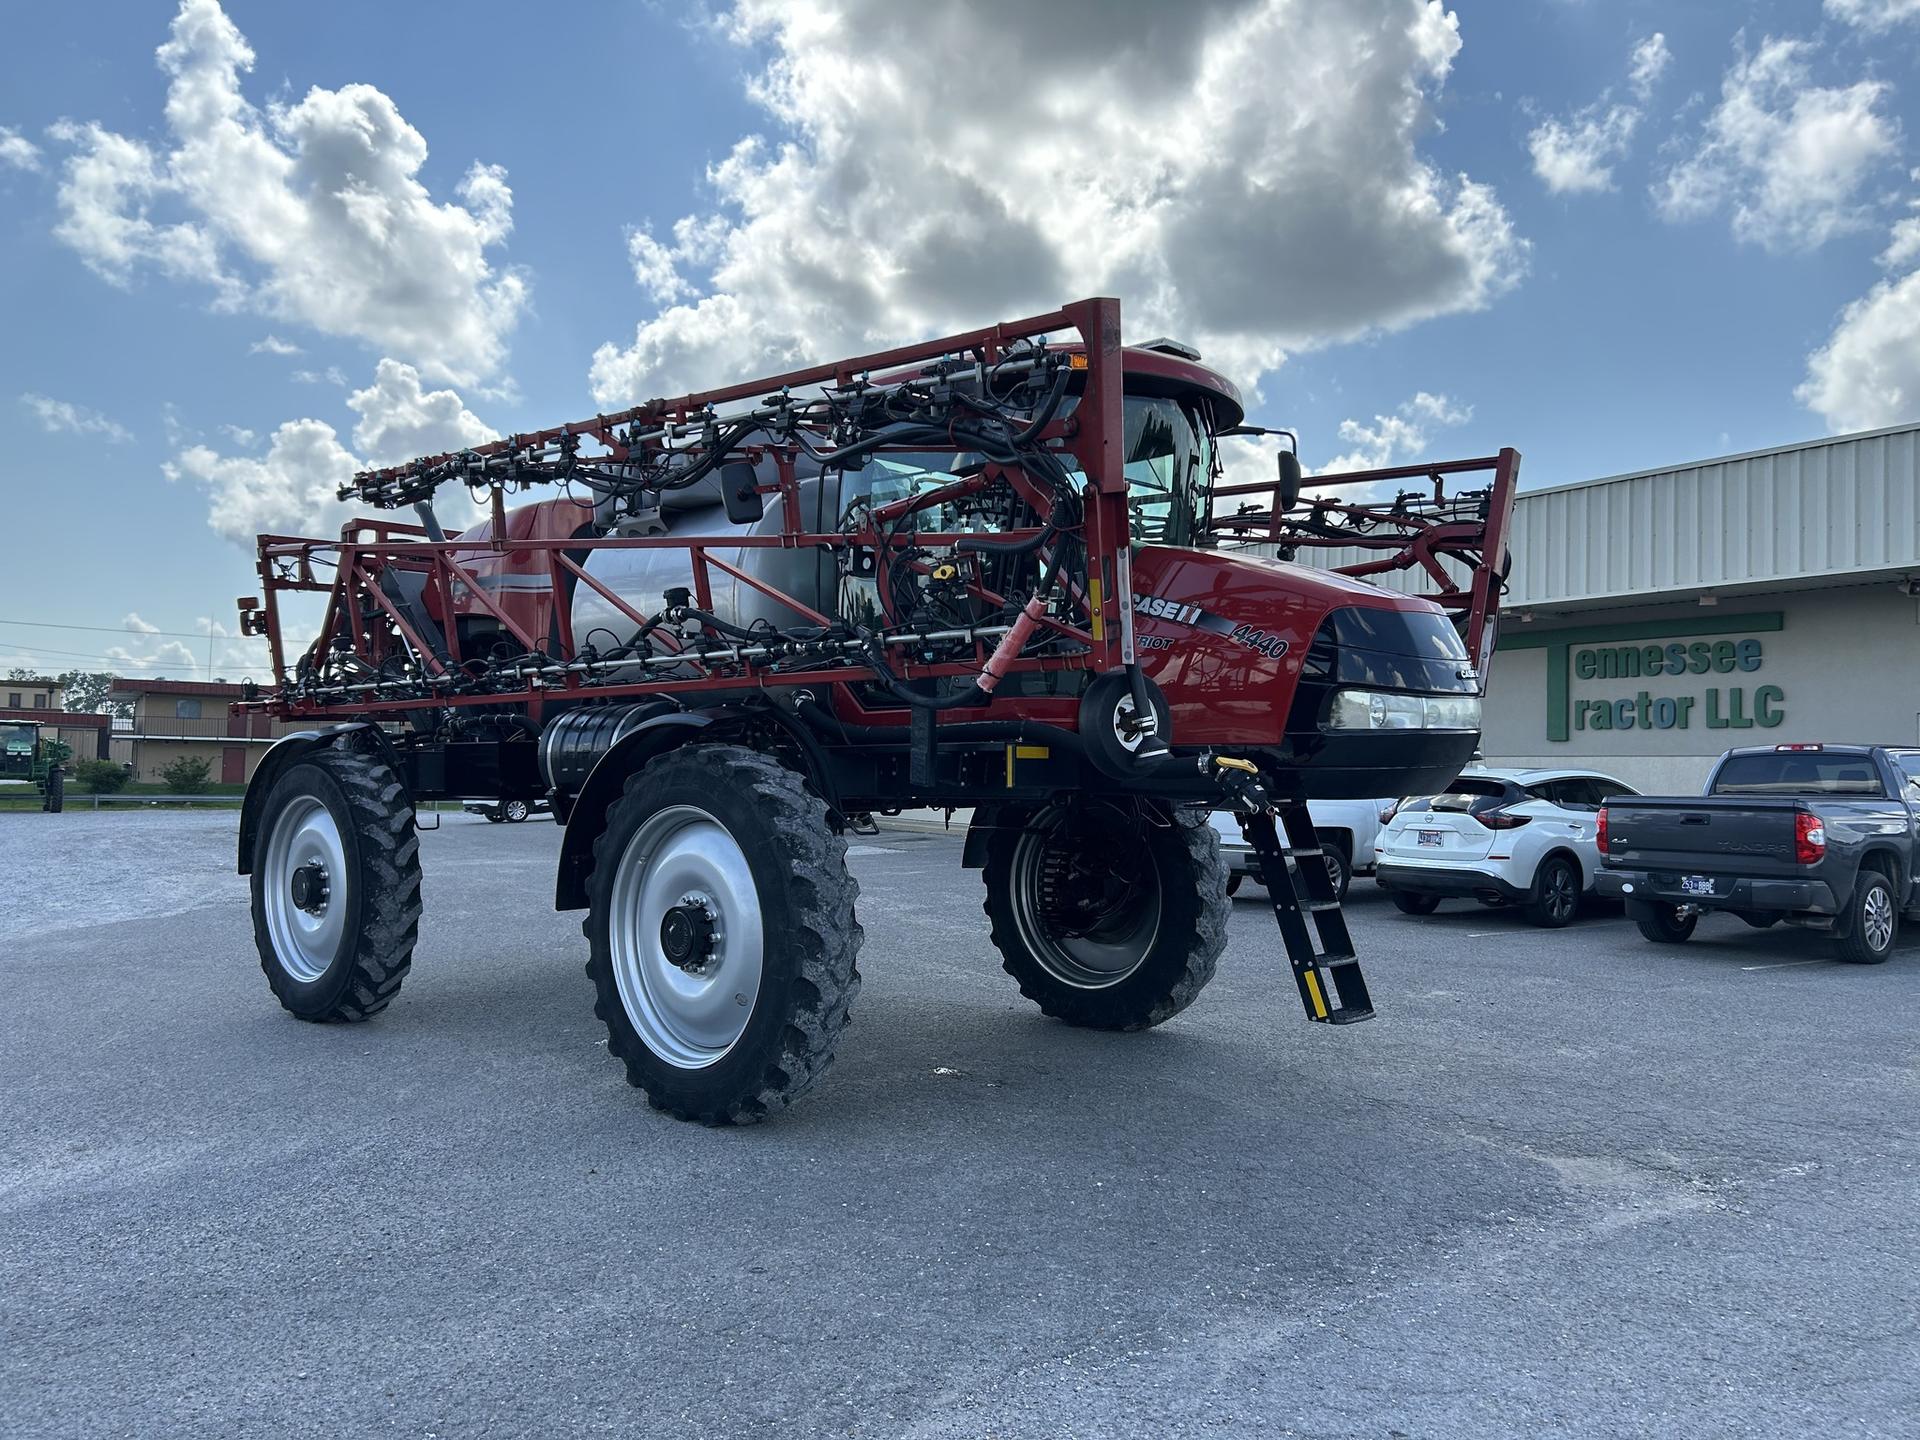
point(739, 488)
point(1289, 480)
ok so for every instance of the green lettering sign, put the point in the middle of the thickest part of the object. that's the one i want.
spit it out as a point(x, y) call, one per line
point(1625, 652)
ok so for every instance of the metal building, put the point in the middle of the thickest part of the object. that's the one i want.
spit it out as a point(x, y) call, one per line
point(1655, 619)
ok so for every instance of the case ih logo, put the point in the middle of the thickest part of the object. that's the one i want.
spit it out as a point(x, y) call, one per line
point(1167, 610)
point(1268, 644)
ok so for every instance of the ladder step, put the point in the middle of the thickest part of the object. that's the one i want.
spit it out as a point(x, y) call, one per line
point(1350, 1016)
point(1319, 904)
point(1309, 852)
point(1335, 962)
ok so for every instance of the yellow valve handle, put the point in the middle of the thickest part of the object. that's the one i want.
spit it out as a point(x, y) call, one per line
point(1230, 762)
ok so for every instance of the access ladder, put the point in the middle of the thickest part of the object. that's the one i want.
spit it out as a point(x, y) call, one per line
point(1300, 886)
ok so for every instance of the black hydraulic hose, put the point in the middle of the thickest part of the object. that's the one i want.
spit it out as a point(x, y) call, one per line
point(970, 544)
point(1046, 411)
point(973, 695)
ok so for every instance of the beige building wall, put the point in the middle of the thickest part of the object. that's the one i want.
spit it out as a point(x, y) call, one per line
point(1838, 667)
point(31, 695)
point(161, 734)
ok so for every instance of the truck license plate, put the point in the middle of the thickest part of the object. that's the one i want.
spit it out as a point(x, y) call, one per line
point(1697, 884)
point(1432, 837)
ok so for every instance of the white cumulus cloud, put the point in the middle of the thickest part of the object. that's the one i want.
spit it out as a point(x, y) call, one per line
point(1647, 64)
point(399, 419)
point(1874, 15)
point(1398, 437)
point(16, 151)
point(133, 622)
point(1787, 158)
point(274, 345)
point(1243, 173)
point(1577, 154)
point(310, 211)
point(58, 416)
point(1867, 375)
point(170, 655)
point(290, 489)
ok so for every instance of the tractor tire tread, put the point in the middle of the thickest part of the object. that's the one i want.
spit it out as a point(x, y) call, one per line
point(389, 851)
point(819, 925)
point(1086, 1008)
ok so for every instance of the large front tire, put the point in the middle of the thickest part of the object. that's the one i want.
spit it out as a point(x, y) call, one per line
point(336, 886)
point(722, 934)
point(1109, 916)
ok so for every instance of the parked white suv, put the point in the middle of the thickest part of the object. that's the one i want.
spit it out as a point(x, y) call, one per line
point(1502, 837)
point(1346, 829)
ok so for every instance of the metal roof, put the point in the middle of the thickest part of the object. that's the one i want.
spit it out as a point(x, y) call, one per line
point(1840, 510)
point(134, 686)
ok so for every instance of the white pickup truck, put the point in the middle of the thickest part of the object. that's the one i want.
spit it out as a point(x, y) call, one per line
point(1347, 829)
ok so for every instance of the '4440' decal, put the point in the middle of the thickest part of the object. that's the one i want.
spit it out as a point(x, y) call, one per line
point(1155, 608)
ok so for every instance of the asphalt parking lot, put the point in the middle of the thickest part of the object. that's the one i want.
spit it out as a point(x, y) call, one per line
point(1566, 1183)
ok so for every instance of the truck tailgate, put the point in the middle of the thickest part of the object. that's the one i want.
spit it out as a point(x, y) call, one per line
point(1751, 835)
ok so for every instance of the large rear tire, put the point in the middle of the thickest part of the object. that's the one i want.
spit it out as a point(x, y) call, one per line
point(336, 886)
point(722, 934)
point(1109, 916)
point(1409, 902)
point(1555, 897)
point(1873, 921)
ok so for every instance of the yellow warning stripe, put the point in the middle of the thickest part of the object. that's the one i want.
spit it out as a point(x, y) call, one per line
point(1093, 605)
point(1313, 989)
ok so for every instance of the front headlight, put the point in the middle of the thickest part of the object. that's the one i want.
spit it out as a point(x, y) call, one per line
point(1379, 710)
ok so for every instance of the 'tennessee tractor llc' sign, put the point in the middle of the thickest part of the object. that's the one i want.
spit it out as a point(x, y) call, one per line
point(1721, 707)
point(1696, 672)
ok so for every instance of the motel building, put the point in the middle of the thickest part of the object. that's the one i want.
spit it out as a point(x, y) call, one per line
point(1654, 620)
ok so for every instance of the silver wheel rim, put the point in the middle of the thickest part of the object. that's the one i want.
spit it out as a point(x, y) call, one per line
point(682, 857)
point(1090, 961)
point(1124, 729)
point(306, 938)
point(1560, 894)
point(516, 810)
point(1877, 918)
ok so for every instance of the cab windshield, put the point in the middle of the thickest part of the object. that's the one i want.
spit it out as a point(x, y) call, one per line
point(1168, 460)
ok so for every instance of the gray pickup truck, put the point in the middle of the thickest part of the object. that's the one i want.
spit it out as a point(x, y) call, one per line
point(1821, 836)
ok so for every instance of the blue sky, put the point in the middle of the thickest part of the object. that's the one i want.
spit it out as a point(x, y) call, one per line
point(1414, 232)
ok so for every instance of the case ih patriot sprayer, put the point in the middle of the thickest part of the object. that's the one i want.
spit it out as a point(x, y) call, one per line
point(990, 571)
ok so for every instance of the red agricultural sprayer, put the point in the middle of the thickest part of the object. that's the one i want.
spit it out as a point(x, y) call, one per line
point(994, 571)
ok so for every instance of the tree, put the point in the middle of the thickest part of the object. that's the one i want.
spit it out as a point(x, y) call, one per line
point(21, 673)
point(187, 776)
point(88, 690)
